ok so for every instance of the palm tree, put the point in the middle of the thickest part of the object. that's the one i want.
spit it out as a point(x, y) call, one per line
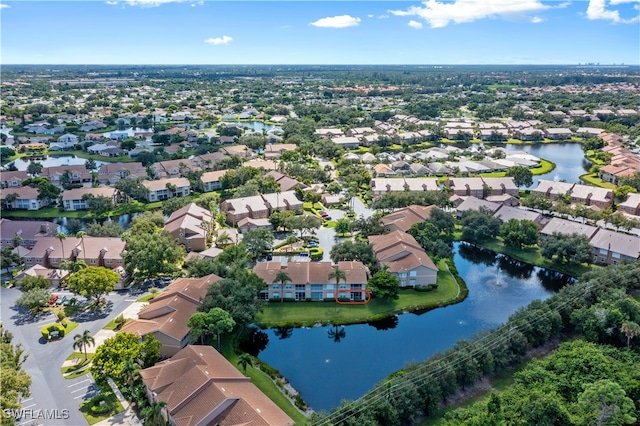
point(154, 414)
point(338, 274)
point(282, 277)
point(81, 341)
point(336, 333)
point(223, 239)
point(630, 330)
point(244, 361)
point(61, 236)
point(130, 372)
point(81, 234)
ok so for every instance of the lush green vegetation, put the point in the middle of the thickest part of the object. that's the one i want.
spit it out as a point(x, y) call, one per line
point(102, 406)
point(284, 314)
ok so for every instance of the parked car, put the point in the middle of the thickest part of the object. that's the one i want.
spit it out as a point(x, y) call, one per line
point(53, 299)
point(61, 301)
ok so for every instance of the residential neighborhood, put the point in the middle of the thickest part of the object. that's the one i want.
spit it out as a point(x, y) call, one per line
point(201, 223)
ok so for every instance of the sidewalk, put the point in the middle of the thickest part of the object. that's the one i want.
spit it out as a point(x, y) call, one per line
point(126, 418)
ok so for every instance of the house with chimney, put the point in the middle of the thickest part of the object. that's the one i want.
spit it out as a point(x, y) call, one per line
point(190, 227)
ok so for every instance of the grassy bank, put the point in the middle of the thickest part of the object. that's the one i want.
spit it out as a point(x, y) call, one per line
point(532, 256)
point(593, 179)
point(265, 384)
point(310, 313)
point(46, 213)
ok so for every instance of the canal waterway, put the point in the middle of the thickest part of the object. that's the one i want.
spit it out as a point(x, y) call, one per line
point(327, 364)
point(53, 160)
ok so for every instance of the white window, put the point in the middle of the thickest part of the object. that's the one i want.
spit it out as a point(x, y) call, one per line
point(413, 273)
point(403, 275)
point(331, 287)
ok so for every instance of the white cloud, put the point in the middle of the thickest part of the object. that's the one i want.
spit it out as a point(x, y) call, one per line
point(4, 6)
point(112, 3)
point(439, 14)
point(614, 2)
point(563, 5)
point(369, 16)
point(537, 20)
point(197, 3)
point(342, 21)
point(597, 10)
point(151, 3)
point(219, 40)
point(383, 16)
point(415, 24)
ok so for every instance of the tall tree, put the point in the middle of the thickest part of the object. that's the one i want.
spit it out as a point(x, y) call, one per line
point(338, 274)
point(93, 282)
point(245, 360)
point(282, 277)
point(517, 233)
point(14, 381)
point(148, 256)
point(62, 236)
point(522, 176)
point(384, 285)
point(81, 341)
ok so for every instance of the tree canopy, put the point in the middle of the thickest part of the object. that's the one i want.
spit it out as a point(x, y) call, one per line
point(93, 282)
point(114, 352)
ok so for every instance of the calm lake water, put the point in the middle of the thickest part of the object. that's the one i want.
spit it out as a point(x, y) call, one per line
point(568, 157)
point(326, 369)
point(256, 126)
point(55, 160)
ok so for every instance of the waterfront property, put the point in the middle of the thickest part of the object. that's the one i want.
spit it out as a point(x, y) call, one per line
point(22, 198)
point(567, 227)
point(381, 186)
point(166, 315)
point(200, 387)
point(310, 280)
point(577, 193)
point(405, 259)
point(25, 232)
point(76, 199)
point(166, 188)
point(611, 248)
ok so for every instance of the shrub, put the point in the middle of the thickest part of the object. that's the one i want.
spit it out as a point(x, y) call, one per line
point(47, 329)
point(316, 253)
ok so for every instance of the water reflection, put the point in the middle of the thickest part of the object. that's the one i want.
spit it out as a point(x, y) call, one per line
point(552, 280)
point(383, 324)
point(515, 268)
point(283, 332)
point(255, 342)
point(324, 372)
point(477, 255)
point(337, 333)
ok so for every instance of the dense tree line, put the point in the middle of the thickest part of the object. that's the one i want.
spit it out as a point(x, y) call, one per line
point(420, 389)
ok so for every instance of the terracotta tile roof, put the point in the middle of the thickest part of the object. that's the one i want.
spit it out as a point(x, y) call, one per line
point(400, 252)
point(27, 229)
point(200, 387)
point(311, 272)
point(405, 217)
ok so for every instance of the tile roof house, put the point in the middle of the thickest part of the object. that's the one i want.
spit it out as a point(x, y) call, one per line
point(611, 248)
point(74, 199)
point(28, 231)
point(54, 276)
point(111, 173)
point(592, 196)
point(380, 186)
point(200, 387)
point(405, 259)
point(166, 315)
point(403, 219)
point(310, 280)
point(631, 205)
point(473, 203)
point(506, 213)
point(13, 179)
point(26, 198)
point(567, 227)
point(501, 185)
point(94, 251)
point(190, 226)
point(259, 206)
point(552, 189)
point(471, 187)
point(159, 191)
point(211, 180)
point(558, 133)
point(286, 183)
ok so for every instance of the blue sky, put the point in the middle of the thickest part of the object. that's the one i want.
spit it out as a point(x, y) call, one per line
point(320, 32)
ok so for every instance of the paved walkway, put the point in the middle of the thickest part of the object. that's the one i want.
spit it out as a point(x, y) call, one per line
point(126, 418)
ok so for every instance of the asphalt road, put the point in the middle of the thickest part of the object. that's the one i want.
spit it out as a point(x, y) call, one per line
point(49, 390)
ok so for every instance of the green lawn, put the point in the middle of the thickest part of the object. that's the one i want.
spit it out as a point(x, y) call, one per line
point(86, 155)
point(47, 212)
point(544, 167)
point(593, 179)
point(309, 313)
point(110, 399)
